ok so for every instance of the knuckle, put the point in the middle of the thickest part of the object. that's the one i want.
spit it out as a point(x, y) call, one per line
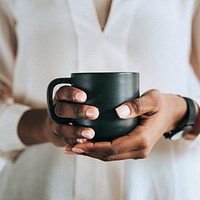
point(59, 93)
point(59, 131)
point(69, 93)
point(144, 143)
point(70, 141)
point(155, 97)
point(155, 92)
point(112, 151)
point(59, 109)
point(76, 131)
point(78, 111)
point(137, 106)
point(55, 134)
point(144, 154)
point(64, 93)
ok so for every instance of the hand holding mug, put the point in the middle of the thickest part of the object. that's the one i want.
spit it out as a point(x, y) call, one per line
point(68, 103)
point(36, 126)
point(159, 113)
point(105, 91)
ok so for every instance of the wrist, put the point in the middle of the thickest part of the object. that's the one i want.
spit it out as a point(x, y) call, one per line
point(31, 127)
point(186, 123)
point(177, 107)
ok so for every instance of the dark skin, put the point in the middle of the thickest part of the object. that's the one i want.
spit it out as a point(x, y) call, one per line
point(158, 113)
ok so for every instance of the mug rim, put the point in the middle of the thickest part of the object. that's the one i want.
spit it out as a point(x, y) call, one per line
point(104, 73)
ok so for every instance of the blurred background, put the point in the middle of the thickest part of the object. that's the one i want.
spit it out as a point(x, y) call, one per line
point(2, 163)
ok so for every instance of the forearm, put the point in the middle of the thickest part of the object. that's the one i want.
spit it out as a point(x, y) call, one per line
point(177, 107)
point(32, 126)
point(179, 110)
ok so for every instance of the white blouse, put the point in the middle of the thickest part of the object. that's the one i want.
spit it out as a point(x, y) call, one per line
point(44, 39)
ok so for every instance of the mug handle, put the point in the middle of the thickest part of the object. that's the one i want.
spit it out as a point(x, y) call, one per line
point(50, 106)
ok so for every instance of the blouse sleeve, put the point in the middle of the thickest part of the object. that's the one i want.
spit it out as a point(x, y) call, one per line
point(195, 50)
point(10, 112)
point(195, 57)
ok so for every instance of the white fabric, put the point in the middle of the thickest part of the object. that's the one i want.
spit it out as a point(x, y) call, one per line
point(14, 112)
point(58, 37)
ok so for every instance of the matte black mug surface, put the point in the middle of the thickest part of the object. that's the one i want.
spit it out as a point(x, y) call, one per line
point(106, 91)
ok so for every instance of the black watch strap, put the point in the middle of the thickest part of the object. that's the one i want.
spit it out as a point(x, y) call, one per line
point(190, 119)
point(191, 110)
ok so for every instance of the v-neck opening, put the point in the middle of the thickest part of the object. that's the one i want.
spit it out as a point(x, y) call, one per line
point(102, 28)
point(118, 21)
point(104, 46)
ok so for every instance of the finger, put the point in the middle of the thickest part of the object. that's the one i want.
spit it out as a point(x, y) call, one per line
point(120, 147)
point(110, 154)
point(71, 133)
point(57, 140)
point(72, 110)
point(130, 155)
point(90, 149)
point(64, 135)
point(149, 102)
point(68, 149)
point(69, 93)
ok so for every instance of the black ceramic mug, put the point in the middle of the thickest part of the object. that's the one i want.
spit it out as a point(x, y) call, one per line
point(106, 91)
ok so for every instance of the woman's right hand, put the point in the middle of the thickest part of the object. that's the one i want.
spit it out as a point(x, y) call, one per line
point(36, 126)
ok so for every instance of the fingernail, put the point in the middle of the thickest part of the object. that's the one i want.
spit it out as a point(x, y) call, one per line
point(68, 147)
point(89, 134)
point(77, 150)
point(80, 96)
point(123, 111)
point(81, 141)
point(92, 112)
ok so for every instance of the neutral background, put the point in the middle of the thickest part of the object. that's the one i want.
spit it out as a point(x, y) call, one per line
point(2, 162)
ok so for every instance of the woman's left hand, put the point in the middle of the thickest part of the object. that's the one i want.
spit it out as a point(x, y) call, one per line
point(158, 113)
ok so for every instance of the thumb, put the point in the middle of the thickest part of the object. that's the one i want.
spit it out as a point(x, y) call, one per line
point(149, 102)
